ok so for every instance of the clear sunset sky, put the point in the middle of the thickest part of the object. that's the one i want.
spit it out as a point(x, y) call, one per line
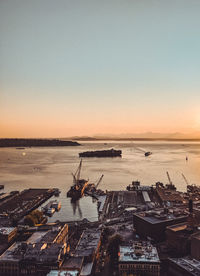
point(79, 67)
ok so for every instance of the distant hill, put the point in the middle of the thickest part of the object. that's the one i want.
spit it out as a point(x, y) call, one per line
point(81, 138)
point(36, 143)
point(148, 136)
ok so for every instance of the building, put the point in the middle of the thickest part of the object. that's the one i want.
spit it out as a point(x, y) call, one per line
point(73, 264)
point(153, 223)
point(129, 198)
point(58, 234)
point(7, 234)
point(10, 260)
point(179, 237)
point(195, 246)
point(42, 252)
point(88, 248)
point(186, 266)
point(40, 258)
point(31, 259)
point(141, 258)
point(168, 194)
point(63, 273)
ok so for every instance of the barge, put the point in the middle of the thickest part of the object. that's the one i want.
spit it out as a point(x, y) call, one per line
point(101, 153)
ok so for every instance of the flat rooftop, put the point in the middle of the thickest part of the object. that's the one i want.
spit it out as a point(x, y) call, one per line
point(36, 237)
point(38, 252)
point(158, 216)
point(6, 230)
point(73, 263)
point(178, 227)
point(45, 236)
point(63, 273)
point(88, 242)
point(13, 253)
point(189, 264)
point(87, 269)
point(129, 198)
point(139, 252)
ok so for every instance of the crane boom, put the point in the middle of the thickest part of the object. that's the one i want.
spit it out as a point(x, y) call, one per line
point(99, 181)
point(74, 179)
point(170, 182)
point(186, 181)
point(79, 171)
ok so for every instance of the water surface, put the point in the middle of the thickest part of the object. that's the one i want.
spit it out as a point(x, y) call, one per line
point(52, 167)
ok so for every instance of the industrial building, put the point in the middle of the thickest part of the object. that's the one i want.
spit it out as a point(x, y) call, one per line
point(179, 237)
point(88, 248)
point(141, 258)
point(195, 246)
point(63, 273)
point(7, 234)
point(153, 223)
point(73, 265)
point(186, 266)
point(42, 252)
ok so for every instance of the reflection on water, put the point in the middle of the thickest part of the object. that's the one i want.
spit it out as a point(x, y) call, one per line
point(76, 207)
point(52, 167)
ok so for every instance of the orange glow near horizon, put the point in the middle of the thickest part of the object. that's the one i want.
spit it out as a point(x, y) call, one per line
point(111, 68)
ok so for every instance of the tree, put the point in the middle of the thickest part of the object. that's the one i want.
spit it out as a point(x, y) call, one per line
point(113, 246)
point(34, 218)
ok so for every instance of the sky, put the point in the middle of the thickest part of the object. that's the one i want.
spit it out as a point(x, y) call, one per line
point(74, 67)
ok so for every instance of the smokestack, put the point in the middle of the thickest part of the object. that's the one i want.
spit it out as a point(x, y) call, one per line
point(190, 205)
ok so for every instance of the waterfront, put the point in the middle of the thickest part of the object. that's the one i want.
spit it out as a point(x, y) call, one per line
point(52, 167)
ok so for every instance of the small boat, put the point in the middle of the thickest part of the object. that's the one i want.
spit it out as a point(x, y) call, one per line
point(56, 205)
point(147, 153)
point(50, 211)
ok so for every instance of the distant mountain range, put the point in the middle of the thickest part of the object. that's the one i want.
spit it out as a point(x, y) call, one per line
point(140, 136)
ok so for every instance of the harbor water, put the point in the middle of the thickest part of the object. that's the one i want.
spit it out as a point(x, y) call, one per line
point(51, 167)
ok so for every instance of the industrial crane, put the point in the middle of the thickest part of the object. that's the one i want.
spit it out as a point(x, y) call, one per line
point(190, 187)
point(76, 175)
point(99, 181)
point(186, 181)
point(170, 185)
point(170, 182)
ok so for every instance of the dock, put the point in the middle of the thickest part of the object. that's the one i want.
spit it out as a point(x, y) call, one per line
point(16, 205)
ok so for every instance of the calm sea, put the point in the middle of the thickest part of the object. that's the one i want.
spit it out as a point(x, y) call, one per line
point(52, 167)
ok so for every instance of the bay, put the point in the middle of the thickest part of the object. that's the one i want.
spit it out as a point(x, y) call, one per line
point(51, 167)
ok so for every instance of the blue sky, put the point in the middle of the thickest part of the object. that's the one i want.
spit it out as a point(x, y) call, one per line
point(86, 67)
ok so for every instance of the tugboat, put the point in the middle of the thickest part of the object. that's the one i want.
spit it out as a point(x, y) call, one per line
point(77, 190)
point(147, 153)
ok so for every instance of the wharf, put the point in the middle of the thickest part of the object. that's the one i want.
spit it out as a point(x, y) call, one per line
point(21, 204)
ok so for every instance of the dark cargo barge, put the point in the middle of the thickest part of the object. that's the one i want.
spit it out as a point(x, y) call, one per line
point(101, 153)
